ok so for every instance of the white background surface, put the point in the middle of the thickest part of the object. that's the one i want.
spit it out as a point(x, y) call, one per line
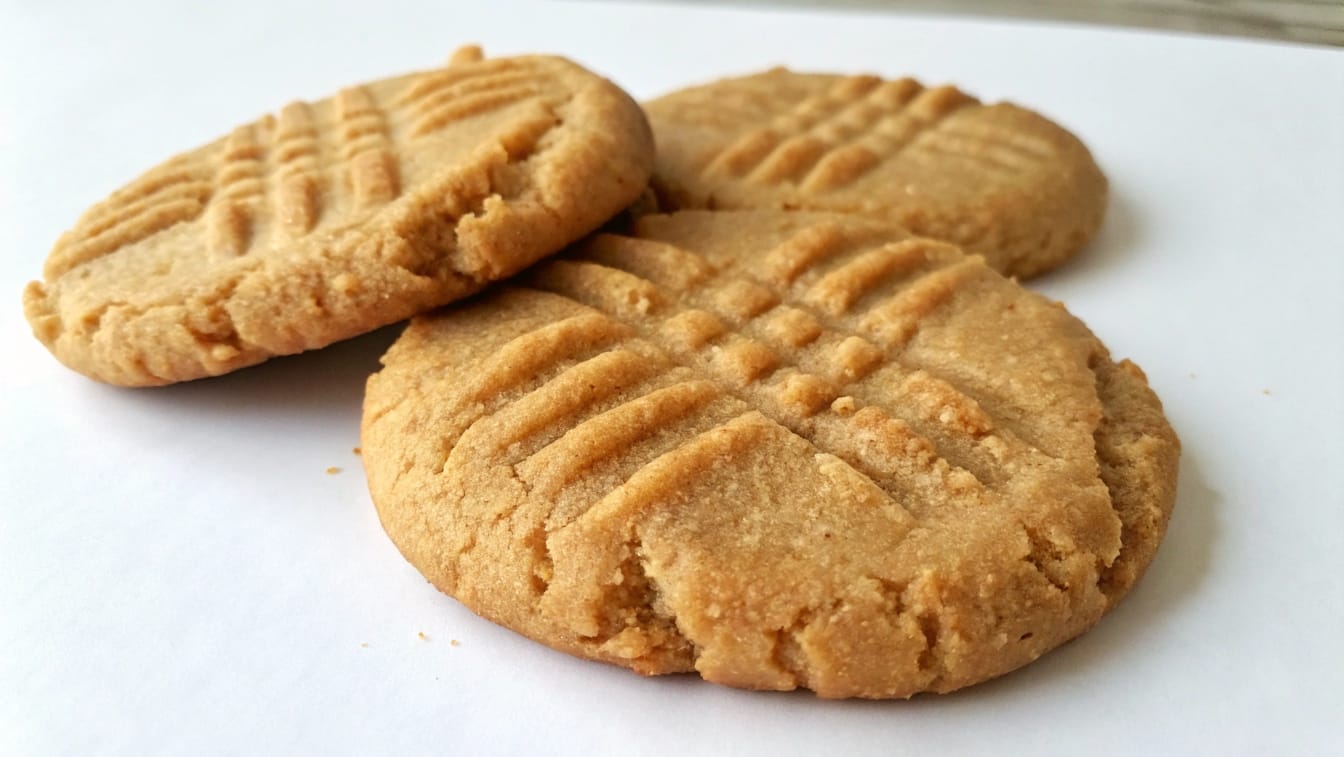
point(179, 575)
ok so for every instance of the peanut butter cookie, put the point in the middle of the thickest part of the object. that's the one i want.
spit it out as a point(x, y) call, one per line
point(997, 180)
point(336, 217)
point(778, 449)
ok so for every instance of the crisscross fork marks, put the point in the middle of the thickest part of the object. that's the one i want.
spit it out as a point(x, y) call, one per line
point(997, 150)
point(472, 76)
point(902, 113)
point(802, 266)
point(786, 135)
point(829, 140)
point(794, 322)
point(932, 272)
point(882, 447)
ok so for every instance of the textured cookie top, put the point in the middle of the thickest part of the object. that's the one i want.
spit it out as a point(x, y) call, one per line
point(335, 217)
point(780, 449)
point(997, 180)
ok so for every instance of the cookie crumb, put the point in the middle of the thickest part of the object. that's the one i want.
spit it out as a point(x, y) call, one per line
point(422, 635)
point(222, 352)
point(1265, 392)
point(466, 54)
point(345, 283)
point(454, 642)
point(364, 645)
point(843, 406)
point(357, 451)
point(333, 470)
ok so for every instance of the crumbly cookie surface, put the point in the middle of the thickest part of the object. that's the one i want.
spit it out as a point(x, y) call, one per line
point(334, 217)
point(997, 180)
point(779, 449)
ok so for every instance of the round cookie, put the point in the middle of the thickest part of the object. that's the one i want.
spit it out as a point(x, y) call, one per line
point(780, 449)
point(336, 217)
point(997, 180)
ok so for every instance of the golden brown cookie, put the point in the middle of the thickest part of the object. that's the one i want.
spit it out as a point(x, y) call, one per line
point(338, 216)
point(997, 180)
point(780, 449)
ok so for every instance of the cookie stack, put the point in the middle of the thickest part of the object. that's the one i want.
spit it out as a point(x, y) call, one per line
point(783, 421)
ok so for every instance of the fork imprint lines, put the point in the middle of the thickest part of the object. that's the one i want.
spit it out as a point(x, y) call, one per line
point(829, 140)
point(742, 363)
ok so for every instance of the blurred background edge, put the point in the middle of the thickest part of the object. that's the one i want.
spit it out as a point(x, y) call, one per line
point(1319, 22)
